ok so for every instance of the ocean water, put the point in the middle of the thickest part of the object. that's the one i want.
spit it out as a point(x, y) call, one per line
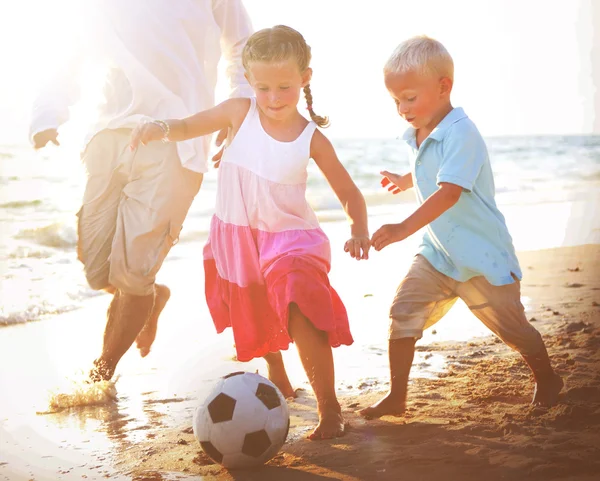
point(546, 186)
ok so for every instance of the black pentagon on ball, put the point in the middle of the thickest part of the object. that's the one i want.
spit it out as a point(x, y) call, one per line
point(212, 452)
point(221, 408)
point(268, 395)
point(256, 443)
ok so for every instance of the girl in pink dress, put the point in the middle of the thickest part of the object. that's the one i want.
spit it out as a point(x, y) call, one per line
point(266, 260)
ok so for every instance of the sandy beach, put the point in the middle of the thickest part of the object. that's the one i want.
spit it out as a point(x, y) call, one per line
point(473, 422)
point(468, 416)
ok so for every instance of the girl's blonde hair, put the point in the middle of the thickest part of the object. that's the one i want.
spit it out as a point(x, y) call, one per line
point(423, 55)
point(279, 44)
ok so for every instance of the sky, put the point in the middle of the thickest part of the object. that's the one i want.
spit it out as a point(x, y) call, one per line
point(522, 67)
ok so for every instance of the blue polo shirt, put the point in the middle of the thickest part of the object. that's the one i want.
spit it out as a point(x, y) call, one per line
point(471, 238)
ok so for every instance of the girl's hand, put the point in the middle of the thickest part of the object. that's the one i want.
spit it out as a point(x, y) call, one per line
point(146, 132)
point(358, 247)
point(398, 182)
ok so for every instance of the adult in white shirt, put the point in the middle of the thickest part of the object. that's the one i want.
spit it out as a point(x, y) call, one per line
point(160, 60)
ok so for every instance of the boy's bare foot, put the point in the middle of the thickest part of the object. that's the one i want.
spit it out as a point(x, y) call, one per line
point(331, 425)
point(546, 392)
point(388, 406)
point(147, 335)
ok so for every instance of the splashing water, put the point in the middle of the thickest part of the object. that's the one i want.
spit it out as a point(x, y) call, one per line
point(81, 393)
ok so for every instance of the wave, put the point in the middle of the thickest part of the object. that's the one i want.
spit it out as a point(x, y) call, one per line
point(33, 313)
point(23, 252)
point(18, 204)
point(35, 309)
point(53, 235)
point(7, 180)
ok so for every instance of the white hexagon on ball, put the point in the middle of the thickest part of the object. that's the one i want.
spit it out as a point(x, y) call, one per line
point(243, 422)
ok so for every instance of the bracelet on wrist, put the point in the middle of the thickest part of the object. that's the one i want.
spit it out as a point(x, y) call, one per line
point(165, 127)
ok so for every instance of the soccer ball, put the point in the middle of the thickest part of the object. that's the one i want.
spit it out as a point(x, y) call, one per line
point(243, 422)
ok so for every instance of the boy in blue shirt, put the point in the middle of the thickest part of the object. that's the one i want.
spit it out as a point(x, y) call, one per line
point(466, 251)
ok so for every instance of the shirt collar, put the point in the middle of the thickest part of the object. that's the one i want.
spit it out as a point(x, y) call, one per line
point(438, 133)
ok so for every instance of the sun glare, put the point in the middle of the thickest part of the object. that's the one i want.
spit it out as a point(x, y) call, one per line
point(498, 54)
point(36, 37)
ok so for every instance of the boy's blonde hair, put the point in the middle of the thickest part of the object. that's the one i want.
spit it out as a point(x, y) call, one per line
point(422, 55)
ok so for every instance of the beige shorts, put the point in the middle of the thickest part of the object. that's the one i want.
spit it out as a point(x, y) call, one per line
point(133, 210)
point(425, 295)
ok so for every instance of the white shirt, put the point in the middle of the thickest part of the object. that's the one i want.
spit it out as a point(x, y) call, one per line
point(160, 58)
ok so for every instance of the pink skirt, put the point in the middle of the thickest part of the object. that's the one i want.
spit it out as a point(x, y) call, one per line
point(259, 312)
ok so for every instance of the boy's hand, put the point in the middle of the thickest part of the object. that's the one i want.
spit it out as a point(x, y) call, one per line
point(398, 182)
point(388, 234)
point(145, 132)
point(358, 247)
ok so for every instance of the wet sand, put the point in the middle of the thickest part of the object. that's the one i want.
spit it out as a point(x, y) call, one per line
point(473, 422)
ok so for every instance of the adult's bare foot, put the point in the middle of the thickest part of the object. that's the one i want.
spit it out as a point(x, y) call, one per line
point(546, 392)
point(388, 406)
point(331, 425)
point(147, 335)
point(101, 371)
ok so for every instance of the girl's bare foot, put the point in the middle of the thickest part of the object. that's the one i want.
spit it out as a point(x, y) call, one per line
point(388, 406)
point(286, 388)
point(147, 335)
point(280, 379)
point(331, 425)
point(278, 375)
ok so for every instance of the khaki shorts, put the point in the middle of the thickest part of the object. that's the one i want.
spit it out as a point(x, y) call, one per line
point(426, 295)
point(133, 209)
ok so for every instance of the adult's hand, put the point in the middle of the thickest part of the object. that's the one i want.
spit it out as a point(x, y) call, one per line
point(42, 138)
point(221, 136)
